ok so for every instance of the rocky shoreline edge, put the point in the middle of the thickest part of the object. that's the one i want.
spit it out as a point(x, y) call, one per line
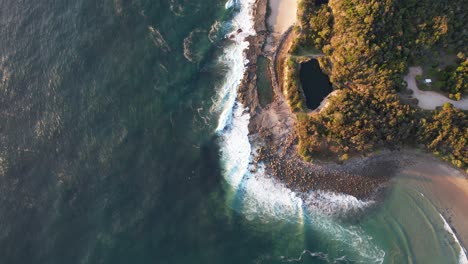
point(272, 136)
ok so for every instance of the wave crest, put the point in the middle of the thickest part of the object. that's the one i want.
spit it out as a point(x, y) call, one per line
point(253, 193)
point(462, 259)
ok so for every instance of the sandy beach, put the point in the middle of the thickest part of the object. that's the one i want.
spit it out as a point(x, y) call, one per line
point(272, 137)
point(271, 134)
point(446, 187)
point(283, 15)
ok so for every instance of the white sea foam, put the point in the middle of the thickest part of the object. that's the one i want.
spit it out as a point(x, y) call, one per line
point(158, 39)
point(229, 4)
point(218, 30)
point(232, 124)
point(3, 165)
point(234, 57)
point(256, 195)
point(214, 31)
point(265, 199)
point(176, 8)
point(4, 73)
point(118, 6)
point(352, 237)
point(333, 204)
point(188, 43)
point(462, 259)
point(262, 198)
point(236, 147)
point(319, 255)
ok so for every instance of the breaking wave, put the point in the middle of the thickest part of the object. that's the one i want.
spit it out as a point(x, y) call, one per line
point(256, 195)
point(218, 31)
point(462, 259)
point(236, 149)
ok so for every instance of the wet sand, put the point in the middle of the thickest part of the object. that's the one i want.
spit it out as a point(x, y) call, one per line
point(445, 187)
point(271, 133)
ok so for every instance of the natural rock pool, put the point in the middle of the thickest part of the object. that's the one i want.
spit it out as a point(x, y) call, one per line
point(315, 83)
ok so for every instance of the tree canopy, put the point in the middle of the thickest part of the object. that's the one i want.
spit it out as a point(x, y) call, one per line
point(368, 46)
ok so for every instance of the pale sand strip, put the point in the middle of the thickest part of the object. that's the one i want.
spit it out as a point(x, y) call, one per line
point(283, 15)
point(430, 100)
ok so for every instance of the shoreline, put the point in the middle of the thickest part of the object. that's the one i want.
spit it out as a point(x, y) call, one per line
point(273, 141)
point(445, 186)
point(271, 130)
point(283, 14)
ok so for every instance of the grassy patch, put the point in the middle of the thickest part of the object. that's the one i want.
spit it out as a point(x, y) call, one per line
point(306, 51)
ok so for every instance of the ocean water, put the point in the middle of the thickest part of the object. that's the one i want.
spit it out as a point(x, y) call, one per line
point(122, 142)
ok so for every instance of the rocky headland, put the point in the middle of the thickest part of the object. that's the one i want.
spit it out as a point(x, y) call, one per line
point(274, 142)
point(271, 129)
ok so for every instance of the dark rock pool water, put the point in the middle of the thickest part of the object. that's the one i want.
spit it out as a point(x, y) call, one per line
point(315, 83)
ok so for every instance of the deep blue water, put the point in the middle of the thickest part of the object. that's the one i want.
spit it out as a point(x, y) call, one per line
point(106, 136)
point(120, 142)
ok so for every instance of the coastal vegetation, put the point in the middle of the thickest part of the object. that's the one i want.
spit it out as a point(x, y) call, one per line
point(368, 46)
point(449, 78)
point(445, 132)
point(291, 86)
point(456, 79)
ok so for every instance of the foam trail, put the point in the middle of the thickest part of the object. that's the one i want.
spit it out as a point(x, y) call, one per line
point(266, 199)
point(256, 195)
point(233, 124)
point(158, 39)
point(353, 238)
point(236, 148)
point(187, 44)
point(332, 204)
point(319, 255)
point(235, 58)
point(462, 259)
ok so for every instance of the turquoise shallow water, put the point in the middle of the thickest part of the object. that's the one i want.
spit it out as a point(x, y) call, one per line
point(411, 227)
point(112, 149)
